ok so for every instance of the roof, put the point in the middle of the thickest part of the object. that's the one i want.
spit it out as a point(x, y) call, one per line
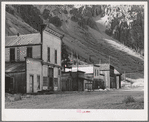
point(14, 67)
point(33, 38)
point(116, 72)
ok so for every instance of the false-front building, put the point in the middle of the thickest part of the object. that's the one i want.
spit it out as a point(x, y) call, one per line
point(33, 61)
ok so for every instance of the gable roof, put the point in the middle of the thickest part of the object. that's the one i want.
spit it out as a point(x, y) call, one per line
point(33, 38)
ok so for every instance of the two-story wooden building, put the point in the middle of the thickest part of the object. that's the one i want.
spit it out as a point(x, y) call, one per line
point(33, 61)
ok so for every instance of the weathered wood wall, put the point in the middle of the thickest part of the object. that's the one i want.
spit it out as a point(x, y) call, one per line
point(19, 82)
point(70, 82)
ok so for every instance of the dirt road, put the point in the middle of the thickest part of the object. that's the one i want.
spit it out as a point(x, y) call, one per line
point(80, 100)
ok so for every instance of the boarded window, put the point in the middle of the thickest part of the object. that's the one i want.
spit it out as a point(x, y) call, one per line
point(38, 81)
point(48, 54)
point(12, 54)
point(56, 56)
point(29, 52)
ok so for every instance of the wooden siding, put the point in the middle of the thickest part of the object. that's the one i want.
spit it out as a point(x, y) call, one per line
point(45, 70)
point(19, 83)
point(21, 52)
point(70, 82)
point(117, 82)
point(7, 55)
point(96, 71)
point(54, 43)
point(34, 68)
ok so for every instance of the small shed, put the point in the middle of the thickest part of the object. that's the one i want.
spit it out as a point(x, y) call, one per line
point(15, 77)
point(72, 81)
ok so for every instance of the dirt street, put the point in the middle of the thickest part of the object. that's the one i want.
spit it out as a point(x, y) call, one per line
point(81, 100)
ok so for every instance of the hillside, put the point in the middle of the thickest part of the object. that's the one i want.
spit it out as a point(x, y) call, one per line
point(85, 34)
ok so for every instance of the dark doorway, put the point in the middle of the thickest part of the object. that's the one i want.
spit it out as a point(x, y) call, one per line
point(31, 83)
point(9, 85)
point(50, 73)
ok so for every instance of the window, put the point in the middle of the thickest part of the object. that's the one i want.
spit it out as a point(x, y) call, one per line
point(59, 71)
point(49, 54)
point(56, 56)
point(29, 52)
point(12, 54)
point(97, 73)
point(38, 82)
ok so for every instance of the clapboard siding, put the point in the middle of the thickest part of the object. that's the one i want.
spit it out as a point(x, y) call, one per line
point(21, 52)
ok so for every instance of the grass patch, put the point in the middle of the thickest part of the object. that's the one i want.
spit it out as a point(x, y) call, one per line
point(128, 99)
point(12, 97)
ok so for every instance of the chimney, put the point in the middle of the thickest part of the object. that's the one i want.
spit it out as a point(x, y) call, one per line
point(42, 27)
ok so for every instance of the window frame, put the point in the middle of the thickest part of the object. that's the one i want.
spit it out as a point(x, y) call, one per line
point(12, 59)
point(29, 53)
point(55, 54)
point(48, 54)
point(59, 72)
point(38, 88)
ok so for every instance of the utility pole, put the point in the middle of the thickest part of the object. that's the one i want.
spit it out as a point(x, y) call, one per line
point(77, 73)
point(124, 76)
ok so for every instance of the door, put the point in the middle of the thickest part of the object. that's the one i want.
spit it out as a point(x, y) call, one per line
point(38, 82)
point(31, 81)
point(9, 84)
point(50, 72)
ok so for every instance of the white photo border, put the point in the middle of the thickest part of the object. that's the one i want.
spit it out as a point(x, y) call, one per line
point(71, 114)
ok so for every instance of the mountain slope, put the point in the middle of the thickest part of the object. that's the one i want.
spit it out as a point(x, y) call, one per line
point(84, 35)
point(15, 24)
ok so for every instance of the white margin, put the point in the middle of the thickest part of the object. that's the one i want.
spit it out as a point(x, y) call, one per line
point(71, 114)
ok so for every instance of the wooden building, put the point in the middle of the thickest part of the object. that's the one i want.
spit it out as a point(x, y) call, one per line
point(99, 76)
point(72, 81)
point(93, 78)
point(112, 77)
point(33, 61)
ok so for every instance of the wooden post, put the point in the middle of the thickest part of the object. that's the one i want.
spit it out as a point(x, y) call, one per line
point(124, 76)
point(77, 73)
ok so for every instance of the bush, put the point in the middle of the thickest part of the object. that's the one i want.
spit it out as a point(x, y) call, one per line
point(128, 99)
point(17, 97)
point(55, 21)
